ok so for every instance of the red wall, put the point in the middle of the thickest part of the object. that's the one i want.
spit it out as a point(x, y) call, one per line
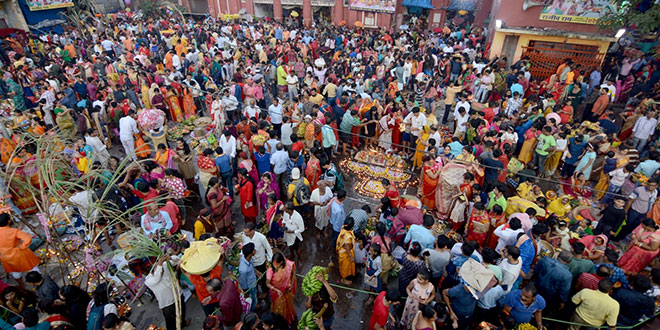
point(511, 13)
point(351, 16)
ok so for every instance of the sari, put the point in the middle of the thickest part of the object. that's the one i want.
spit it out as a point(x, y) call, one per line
point(421, 147)
point(575, 187)
point(527, 150)
point(175, 108)
point(248, 202)
point(590, 245)
point(429, 185)
point(207, 169)
point(166, 159)
point(146, 100)
point(188, 103)
point(558, 208)
point(495, 221)
point(264, 190)
point(221, 211)
point(450, 179)
point(20, 195)
point(636, 258)
point(252, 170)
point(346, 256)
point(313, 172)
point(602, 185)
point(273, 217)
point(19, 96)
point(478, 226)
point(285, 281)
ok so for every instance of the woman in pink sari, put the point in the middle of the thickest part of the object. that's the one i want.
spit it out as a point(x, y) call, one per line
point(248, 164)
point(643, 248)
point(594, 246)
point(267, 186)
point(281, 280)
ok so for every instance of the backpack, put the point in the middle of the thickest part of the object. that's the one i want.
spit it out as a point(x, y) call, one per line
point(339, 179)
point(95, 320)
point(301, 192)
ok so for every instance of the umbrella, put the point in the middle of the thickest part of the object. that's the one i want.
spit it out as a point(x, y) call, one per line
point(358, 24)
point(151, 118)
point(294, 14)
point(555, 116)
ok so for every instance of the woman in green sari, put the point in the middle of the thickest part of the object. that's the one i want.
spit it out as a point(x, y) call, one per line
point(65, 122)
point(16, 91)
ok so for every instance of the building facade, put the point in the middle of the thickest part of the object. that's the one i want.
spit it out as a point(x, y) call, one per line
point(546, 35)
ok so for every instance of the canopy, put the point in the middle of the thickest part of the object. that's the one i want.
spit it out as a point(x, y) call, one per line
point(469, 5)
point(418, 3)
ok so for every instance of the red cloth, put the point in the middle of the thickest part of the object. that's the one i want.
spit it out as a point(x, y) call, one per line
point(200, 283)
point(247, 198)
point(588, 281)
point(380, 313)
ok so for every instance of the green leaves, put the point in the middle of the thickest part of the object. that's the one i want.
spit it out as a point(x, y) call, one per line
point(629, 16)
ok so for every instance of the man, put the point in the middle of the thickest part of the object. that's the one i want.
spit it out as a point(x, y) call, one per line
point(127, 129)
point(527, 219)
point(600, 105)
point(525, 303)
point(634, 304)
point(576, 146)
point(247, 277)
point(493, 166)
point(595, 307)
point(154, 220)
point(263, 250)
point(618, 275)
point(579, 264)
point(293, 228)
point(228, 300)
point(297, 189)
point(639, 204)
point(279, 161)
point(590, 281)
point(224, 164)
point(15, 255)
point(461, 304)
point(47, 289)
point(438, 257)
point(286, 130)
point(643, 129)
point(511, 266)
point(229, 104)
point(160, 283)
point(422, 234)
point(381, 312)
point(513, 104)
point(360, 217)
point(275, 113)
point(337, 214)
point(545, 145)
point(209, 304)
point(553, 279)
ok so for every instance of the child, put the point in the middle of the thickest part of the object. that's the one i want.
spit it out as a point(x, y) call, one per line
point(360, 250)
point(584, 228)
point(372, 271)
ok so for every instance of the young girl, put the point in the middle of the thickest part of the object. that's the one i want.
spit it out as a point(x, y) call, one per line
point(372, 271)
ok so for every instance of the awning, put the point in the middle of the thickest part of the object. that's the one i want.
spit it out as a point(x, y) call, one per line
point(418, 3)
point(469, 5)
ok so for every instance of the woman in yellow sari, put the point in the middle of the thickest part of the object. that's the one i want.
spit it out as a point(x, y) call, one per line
point(188, 103)
point(281, 280)
point(144, 91)
point(560, 206)
point(173, 102)
point(422, 144)
point(165, 157)
point(527, 150)
point(345, 247)
point(429, 182)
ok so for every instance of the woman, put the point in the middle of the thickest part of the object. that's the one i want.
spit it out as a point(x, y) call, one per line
point(249, 166)
point(392, 193)
point(429, 182)
point(420, 291)
point(422, 144)
point(65, 122)
point(184, 161)
point(16, 92)
point(313, 169)
point(165, 157)
point(527, 151)
point(173, 103)
point(411, 263)
point(207, 168)
point(643, 248)
point(345, 247)
point(478, 224)
point(586, 163)
point(577, 186)
point(594, 246)
point(76, 300)
point(267, 186)
point(273, 217)
point(560, 206)
point(247, 192)
point(281, 280)
point(425, 318)
point(203, 224)
point(16, 300)
point(387, 125)
point(320, 198)
point(188, 103)
point(219, 202)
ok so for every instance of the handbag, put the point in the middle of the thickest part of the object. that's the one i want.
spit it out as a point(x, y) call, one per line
point(372, 282)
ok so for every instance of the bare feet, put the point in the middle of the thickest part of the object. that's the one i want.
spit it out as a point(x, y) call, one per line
point(346, 282)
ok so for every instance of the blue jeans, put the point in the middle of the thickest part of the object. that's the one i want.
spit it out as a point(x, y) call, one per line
point(335, 235)
point(227, 182)
point(612, 189)
point(632, 221)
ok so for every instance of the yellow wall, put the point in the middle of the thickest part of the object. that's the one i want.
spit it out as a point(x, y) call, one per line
point(524, 39)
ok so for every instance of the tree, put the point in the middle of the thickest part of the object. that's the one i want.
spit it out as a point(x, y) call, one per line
point(642, 15)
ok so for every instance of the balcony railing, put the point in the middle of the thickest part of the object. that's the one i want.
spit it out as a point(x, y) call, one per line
point(315, 3)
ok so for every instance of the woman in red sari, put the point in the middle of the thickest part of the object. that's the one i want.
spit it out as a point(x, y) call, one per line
point(478, 224)
point(281, 280)
point(644, 247)
point(246, 188)
point(248, 165)
point(429, 182)
point(392, 193)
point(313, 169)
point(188, 103)
point(396, 130)
point(497, 219)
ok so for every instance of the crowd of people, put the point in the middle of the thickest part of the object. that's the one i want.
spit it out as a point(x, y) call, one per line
point(547, 186)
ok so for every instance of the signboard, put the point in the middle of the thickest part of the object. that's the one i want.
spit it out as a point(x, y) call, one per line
point(35, 5)
point(380, 6)
point(576, 11)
